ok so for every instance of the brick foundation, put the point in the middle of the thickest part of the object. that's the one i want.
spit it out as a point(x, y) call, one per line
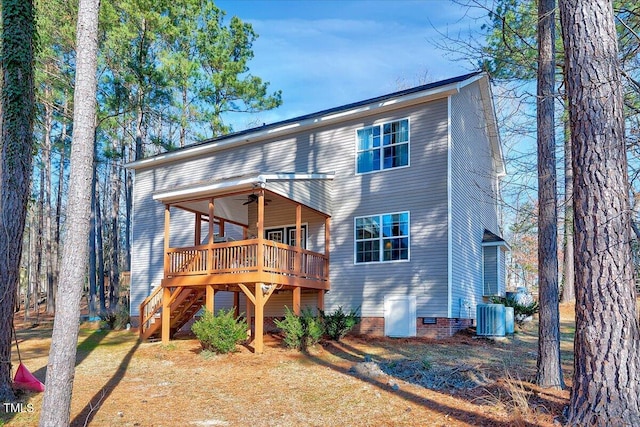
point(374, 326)
point(442, 328)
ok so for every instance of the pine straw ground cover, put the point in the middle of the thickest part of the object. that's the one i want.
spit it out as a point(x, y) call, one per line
point(461, 381)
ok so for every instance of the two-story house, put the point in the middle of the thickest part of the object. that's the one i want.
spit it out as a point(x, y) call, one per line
point(389, 205)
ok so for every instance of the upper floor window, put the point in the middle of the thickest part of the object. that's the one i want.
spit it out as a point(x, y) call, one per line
point(383, 146)
point(381, 238)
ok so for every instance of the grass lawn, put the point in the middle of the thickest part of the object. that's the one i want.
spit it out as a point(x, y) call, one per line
point(359, 381)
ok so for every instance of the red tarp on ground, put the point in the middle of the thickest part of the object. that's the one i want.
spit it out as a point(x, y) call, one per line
point(26, 381)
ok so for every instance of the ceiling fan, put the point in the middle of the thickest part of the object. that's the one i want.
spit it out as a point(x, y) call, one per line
point(253, 198)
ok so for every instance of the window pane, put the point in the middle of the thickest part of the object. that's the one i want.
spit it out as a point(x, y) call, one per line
point(364, 162)
point(403, 131)
point(396, 249)
point(376, 136)
point(368, 251)
point(368, 138)
point(368, 228)
point(368, 161)
point(365, 139)
point(395, 225)
point(396, 132)
point(396, 155)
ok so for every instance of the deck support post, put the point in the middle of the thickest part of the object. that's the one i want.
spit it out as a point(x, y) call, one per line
point(259, 319)
point(210, 299)
point(236, 304)
point(211, 222)
point(166, 315)
point(297, 264)
point(249, 302)
point(260, 229)
point(167, 223)
point(198, 229)
point(296, 300)
point(321, 299)
point(327, 245)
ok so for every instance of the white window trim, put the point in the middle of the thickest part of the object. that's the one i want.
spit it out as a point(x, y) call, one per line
point(284, 228)
point(355, 241)
point(380, 125)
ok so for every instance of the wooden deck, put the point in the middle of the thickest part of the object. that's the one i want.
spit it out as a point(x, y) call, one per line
point(224, 265)
point(254, 267)
point(193, 274)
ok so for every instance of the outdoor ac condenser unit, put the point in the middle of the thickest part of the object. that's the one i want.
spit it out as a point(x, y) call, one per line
point(490, 320)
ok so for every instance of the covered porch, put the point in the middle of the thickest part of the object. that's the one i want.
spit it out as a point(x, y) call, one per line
point(251, 235)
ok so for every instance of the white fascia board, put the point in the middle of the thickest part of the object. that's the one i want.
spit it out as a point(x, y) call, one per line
point(492, 125)
point(265, 177)
point(504, 244)
point(205, 189)
point(219, 186)
point(288, 128)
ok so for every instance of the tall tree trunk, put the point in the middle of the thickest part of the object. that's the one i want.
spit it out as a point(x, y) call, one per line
point(61, 180)
point(45, 193)
point(27, 263)
point(41, 285)
point(92, 245)
point(568, 288)
point(606, 382)
point(56, 404)
point(549, 370)
point(128, 182)
point(16, 148)
point(33, 279)
point(114, 271)
point(100, 252)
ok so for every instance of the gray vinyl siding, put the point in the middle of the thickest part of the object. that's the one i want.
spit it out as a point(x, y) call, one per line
point(313, 193)
point(420, 189)
point(147, 246)
point(473, 198)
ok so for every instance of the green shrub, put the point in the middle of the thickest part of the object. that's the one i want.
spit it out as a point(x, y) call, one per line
point(220, 333)
point(313, 328)
point(301, 331)
point(338, 324)
point(292, 329)
point(116, 318)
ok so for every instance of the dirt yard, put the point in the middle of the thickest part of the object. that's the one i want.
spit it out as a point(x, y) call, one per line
point(357, 382)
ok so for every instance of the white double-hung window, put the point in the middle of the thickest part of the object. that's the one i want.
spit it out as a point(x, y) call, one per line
point(382, 238)
point(383, 146)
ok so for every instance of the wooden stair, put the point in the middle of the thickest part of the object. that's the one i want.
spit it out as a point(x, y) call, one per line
point(186, 303)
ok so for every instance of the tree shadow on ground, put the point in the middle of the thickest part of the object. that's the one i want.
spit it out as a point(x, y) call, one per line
point(347, 353)
point(89, 411)
point(84, 349)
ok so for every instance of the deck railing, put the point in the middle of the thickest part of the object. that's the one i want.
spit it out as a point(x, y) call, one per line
point(242, 257)
point(149, 308)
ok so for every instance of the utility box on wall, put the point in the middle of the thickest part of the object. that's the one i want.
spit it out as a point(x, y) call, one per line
point(400, 316)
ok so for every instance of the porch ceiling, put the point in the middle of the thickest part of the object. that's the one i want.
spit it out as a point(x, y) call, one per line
point(310, 189)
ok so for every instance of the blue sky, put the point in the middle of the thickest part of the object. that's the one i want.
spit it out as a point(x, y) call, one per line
point(327, 53)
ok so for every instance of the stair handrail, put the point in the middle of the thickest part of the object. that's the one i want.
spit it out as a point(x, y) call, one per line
point(149, 307)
